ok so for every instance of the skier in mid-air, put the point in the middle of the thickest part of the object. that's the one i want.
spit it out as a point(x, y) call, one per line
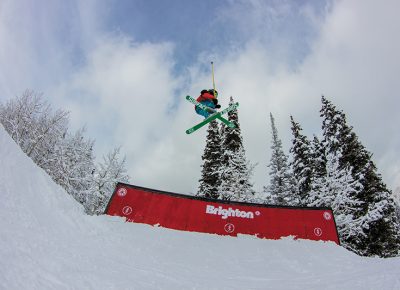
point(206, 105)
point(209, 99)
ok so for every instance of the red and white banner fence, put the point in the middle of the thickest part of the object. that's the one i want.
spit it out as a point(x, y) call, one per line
point(196, 214)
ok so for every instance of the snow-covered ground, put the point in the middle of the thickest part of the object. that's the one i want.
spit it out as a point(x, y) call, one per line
point(47, 242)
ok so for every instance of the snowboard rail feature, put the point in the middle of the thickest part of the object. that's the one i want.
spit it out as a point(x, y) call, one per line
point(197, 214)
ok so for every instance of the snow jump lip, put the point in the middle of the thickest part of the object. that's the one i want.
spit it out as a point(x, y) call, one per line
point(198, 214)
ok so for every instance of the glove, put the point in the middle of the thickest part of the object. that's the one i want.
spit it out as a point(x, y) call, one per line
point(218, 106)
point(215, 101)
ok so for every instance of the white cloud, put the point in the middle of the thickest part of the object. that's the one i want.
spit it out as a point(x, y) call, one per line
point(128, 94)
point(354, 62)
point(123, 93)
point(43, 41)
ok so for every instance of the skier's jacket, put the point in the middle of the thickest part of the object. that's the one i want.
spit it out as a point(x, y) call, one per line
point(205, 97)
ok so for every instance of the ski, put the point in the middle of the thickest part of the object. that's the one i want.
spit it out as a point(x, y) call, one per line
point(200, 105)
point(214, 116)
point(226, 122)
point(201, 124)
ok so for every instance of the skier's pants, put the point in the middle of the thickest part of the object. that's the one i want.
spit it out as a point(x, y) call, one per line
point(202, 112)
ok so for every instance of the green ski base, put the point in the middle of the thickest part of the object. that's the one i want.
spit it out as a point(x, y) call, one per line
point(214, 116)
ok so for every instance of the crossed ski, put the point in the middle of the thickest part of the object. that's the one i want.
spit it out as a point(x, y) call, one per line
point(217, 115)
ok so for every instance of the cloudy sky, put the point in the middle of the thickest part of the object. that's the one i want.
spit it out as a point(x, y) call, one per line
point(123, 67)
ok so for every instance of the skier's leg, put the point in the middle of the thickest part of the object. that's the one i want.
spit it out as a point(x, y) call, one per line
point(210, 104)
point(202, 112)
point(209, 111)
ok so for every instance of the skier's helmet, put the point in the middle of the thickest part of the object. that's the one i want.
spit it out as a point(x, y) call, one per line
point(213, 92)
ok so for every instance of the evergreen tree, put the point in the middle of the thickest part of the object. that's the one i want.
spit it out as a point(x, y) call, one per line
point(281, 190)
point(301, 163)
point(380, 223)
point(318, 158)
point(319, 165)
point(236, 170)
point(378, 231)
point(337, 189)
point(210, 181)
point(396, 198)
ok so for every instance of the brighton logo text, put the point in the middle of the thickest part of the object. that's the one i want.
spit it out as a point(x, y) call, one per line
point(230, 212)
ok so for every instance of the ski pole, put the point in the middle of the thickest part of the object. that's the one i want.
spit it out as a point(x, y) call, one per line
point(213, 81)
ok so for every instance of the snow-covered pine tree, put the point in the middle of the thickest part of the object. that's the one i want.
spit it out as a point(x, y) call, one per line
point(380, 223)
point(105, 177)
point(236, 170)
point(337, 189)
point(281, 189)
point(301, 163)
point(396, 198)
point(318, 165)
point(378, 234)
point(210, 181)
point(318, 158)
point(380, 220)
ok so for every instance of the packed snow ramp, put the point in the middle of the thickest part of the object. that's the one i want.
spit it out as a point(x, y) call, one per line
point(197, 214)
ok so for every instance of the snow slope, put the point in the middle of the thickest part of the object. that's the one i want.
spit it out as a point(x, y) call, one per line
point(47, 242)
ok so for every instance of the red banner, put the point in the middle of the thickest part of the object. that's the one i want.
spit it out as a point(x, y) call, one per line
point(190, 213)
